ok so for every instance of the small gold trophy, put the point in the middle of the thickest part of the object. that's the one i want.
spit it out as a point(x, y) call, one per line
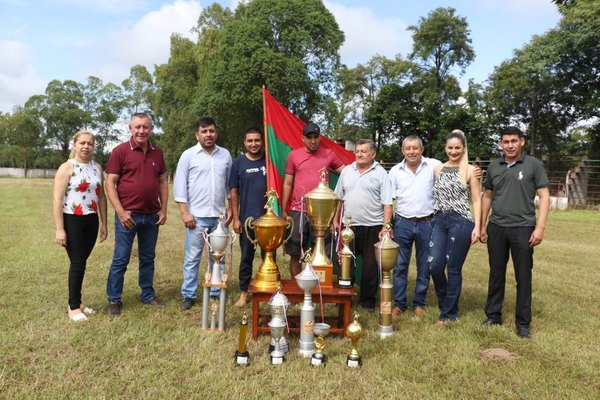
point(242, 357)
point(354, 332)
point(321, 329)
point(345, 279)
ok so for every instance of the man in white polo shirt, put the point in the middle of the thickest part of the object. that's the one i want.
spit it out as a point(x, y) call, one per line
point(412, 185)
point(366, 191)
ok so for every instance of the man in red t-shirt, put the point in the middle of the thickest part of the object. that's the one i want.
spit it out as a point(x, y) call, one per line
point(301, 176)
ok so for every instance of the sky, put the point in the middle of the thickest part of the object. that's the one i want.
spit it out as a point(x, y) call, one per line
point(43, 40)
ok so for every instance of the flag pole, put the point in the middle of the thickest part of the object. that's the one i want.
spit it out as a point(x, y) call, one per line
point(266, 136)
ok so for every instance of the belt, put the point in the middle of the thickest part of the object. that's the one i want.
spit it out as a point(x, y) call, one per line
point(418, 219)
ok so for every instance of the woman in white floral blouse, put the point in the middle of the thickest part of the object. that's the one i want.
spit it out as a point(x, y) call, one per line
point(78, 199)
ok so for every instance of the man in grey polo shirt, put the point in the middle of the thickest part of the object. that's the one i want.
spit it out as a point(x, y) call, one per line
point(510, 188)
point(367, 195)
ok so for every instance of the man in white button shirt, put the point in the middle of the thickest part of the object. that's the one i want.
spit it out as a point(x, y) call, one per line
point(200, 191)
point(412, 187)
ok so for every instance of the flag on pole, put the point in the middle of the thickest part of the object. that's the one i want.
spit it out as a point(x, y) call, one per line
point(283, 133)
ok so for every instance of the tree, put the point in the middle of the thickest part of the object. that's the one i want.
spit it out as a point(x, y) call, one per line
point(291, 46)
point(62, 112)
point(21, 136)
point(104, 104)
point(441, 45)
point(138, 90)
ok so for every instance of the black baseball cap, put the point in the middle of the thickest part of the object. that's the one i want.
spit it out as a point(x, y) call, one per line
point(310, 128)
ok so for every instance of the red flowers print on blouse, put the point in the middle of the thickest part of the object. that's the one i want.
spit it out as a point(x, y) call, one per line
point(83, 186)
point(98, 188)
point(93, 206)
point(77, 209)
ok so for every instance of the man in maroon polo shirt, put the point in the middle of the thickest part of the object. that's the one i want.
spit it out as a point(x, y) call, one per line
point(136, 186)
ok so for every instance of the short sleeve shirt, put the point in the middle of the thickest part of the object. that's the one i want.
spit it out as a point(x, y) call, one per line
point(364, 194)
point(139, 184)
point(513, 190)
point(249, 177)
point(305, 167)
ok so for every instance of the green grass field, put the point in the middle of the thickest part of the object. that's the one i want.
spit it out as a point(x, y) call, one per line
point(150, 353)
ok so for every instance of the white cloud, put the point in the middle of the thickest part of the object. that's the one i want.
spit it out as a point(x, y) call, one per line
point(17, 76)
point(367, 35)
point(146, 42)
point(107, 6)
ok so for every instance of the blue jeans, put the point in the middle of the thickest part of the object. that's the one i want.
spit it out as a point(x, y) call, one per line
point(146, 230)
point(406, 233)
point(450, 243)
point(194, 244)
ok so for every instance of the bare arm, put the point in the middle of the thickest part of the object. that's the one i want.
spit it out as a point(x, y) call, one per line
point(163, 196)
point(538, 234)
point(473, 180)
point(188, 219)
point(61, 181)
point(102, 208)
point(339, 169)
point(486, 203)
point(388, 212)
point(234, 203)
point(113, 196)
point(288, 181)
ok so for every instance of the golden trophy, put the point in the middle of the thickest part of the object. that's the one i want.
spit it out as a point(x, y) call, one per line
point(242, 356)
point(354, 332)
point(269, 232)
point(347, 234)
point(321, 329)
point(386, 253)
point(321, 205)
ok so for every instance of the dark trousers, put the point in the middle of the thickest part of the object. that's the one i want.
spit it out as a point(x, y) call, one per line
point(501, 242)
point(364, 239)
point(246, 260)
point(81, 231)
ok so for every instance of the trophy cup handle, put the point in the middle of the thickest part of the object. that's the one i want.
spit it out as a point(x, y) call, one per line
point(290, 226)
point(248, 225)
point(205, 236)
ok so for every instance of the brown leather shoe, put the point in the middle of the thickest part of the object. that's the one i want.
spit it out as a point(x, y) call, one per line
point(419, 312)
point(396, 312)
point(155, 302)
point(113, 309)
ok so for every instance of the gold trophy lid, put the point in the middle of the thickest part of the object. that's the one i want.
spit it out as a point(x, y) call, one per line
point(270, 219)
point(387, 243)
point(322, 191)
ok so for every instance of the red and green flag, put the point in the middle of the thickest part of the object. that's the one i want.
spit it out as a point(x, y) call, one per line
point(283, 134)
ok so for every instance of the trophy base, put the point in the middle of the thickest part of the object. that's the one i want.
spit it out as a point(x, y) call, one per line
point(344, 283)
point(277, 359)
point(384, 331)
point(266, 284)
point(325, 274)
point(352, 362)
point(242, 358)
point(318, 359)
point(306, 349)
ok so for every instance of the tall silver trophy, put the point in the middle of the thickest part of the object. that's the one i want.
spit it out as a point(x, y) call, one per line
point(217, 244)
point(278, 306)
point(307, 280)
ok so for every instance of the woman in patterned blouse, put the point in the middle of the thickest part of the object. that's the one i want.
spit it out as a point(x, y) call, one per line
point(77, 200)
point(455, 227)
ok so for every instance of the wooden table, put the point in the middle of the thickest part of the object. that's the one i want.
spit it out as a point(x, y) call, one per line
point(332, 295)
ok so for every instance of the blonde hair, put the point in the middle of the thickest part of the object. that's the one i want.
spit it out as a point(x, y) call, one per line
point(463, 165)
point(74, 140)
